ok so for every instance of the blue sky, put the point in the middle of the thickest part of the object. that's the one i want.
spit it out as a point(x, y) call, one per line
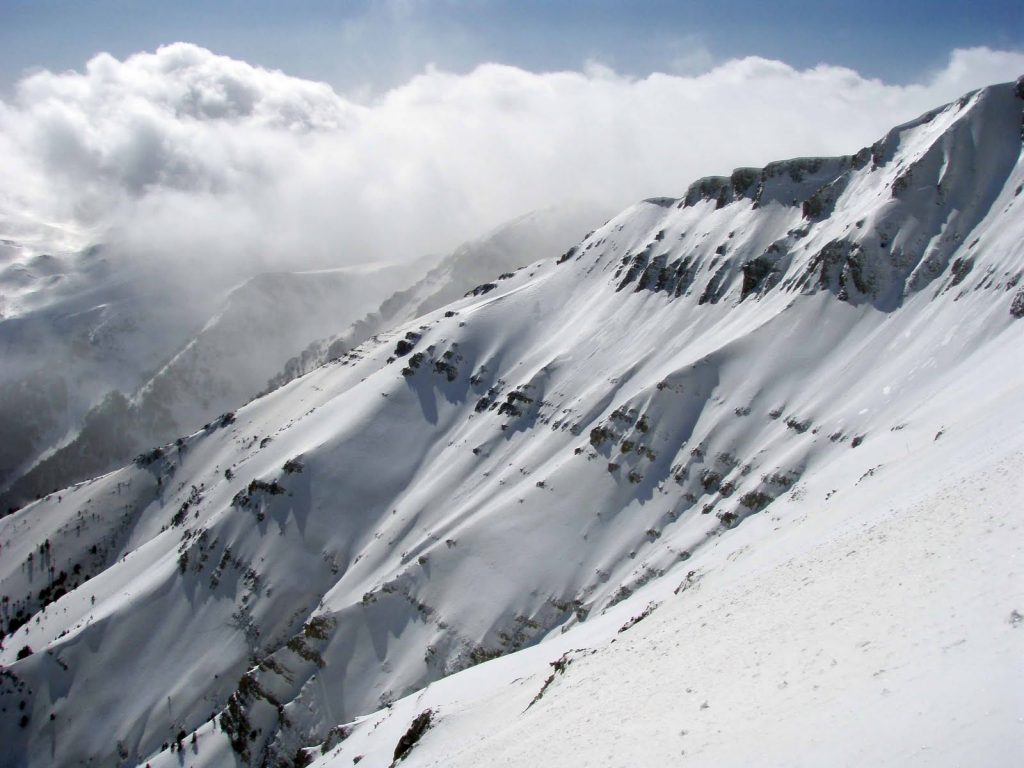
point(375, 45)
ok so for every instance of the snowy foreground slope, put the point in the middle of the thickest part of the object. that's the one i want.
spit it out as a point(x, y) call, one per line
point(879, 625)
point(785, 410)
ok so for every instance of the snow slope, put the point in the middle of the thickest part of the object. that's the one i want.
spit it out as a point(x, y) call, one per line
point(759, 392)
point(879, 625)
point(523, 240)
point(78, 325)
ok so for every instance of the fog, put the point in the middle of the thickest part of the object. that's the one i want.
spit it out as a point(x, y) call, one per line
point(183, 157)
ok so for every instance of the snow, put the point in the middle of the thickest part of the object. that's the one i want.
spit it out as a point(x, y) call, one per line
point(822, 457)
point(876, 629)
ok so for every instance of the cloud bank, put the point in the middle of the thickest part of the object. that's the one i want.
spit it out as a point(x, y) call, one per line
point(184, 156)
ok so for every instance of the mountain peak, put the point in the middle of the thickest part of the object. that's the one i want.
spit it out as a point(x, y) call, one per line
point(874, 226)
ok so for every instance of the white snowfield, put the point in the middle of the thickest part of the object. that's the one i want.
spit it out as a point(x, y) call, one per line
point(772, 431)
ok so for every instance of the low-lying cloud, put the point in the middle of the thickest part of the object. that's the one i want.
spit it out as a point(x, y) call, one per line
point(182, 155)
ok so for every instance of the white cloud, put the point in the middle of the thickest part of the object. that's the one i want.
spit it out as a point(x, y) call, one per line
point(182, 153)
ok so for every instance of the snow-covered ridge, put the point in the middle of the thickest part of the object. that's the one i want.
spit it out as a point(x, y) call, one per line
point(558, 445)
point(873, 226)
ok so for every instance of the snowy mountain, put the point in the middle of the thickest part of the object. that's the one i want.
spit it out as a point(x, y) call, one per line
point(735, 477)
